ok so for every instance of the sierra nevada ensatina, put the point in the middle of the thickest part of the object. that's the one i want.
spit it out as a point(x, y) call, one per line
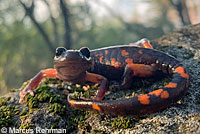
point(117, 63)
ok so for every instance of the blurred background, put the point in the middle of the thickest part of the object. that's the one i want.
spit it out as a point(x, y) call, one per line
point(30, 30)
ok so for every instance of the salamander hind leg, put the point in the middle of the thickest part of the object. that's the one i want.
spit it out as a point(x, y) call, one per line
point(144, 43)
point(126, 80)
point(134, 70)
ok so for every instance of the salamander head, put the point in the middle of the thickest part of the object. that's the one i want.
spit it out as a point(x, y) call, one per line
point(71, 65)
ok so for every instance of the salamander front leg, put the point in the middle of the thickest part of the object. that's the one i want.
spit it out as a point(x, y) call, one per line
point(95, 78)
point(35, 81)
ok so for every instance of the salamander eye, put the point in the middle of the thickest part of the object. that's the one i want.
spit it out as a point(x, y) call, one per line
point(85, 51)
point(60, 50)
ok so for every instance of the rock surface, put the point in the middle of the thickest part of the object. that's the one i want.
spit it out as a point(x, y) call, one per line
point(49, 108)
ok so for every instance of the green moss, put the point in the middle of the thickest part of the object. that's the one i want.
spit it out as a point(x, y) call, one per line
point(16, 111)
point(89, 93)
point(76, 119)
point(75, 88)
point(51, 80)
point(24, 117)
point(54, 126)
point(98, 131)
point(128, 94)
point(55, 99)
point(84, 126)
point(31, 101)
point(6, 116)
point(86, 91)
point(7, 112)
point(3, 102)
point(42, 94)
point(144, 82)
point(77, 95)
point(121, 123)
point(24, 112)
point(26, 126)
point(58, 108)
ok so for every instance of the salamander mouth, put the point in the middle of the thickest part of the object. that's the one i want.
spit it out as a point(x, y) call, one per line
point(67, 63)
point(71, 67)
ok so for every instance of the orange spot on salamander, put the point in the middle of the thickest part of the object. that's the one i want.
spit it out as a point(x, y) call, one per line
point(129, 61)
point(124, 53)
point(96, 107)
point(160, 92)
point(72, 103)
point(140, 52)
point(97, 55)
point(101, 58)
point(106, 51)
point(164, 95)
point(144, 99)
point(147, 45)
point(181, 71)
point(171, 85)
point(141, 70)
point(114, 63)
point(156, 92)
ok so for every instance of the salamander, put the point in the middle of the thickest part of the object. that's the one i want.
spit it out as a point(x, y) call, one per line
point(121, 63)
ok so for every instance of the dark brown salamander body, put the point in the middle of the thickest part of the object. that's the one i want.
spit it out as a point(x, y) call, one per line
point(111, 62)
point(120, 63)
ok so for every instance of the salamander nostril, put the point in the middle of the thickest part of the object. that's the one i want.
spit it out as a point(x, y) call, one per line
point(60, 50)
